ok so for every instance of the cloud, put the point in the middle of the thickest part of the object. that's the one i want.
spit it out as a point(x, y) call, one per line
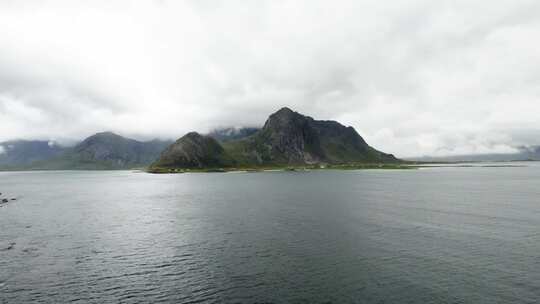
point(414, 77)
point(2, 150)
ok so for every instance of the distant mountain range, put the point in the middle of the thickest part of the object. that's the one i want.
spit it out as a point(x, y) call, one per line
point(531, 153)
point(287, 138)
point(17, 153)
point(100, 151)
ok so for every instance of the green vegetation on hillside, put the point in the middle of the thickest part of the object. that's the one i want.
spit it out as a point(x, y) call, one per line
point(287, 140)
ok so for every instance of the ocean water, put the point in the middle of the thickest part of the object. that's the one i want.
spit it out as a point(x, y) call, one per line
point(436, 235)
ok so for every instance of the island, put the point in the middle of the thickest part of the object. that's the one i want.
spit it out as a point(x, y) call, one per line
point(288, 140)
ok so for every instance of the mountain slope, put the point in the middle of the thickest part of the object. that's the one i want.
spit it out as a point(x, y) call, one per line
point(18, 153)
point(116, 151)
point(104, 150)
point(530, 153)
point(292, 138)
point(194, 151)
point(287, 138)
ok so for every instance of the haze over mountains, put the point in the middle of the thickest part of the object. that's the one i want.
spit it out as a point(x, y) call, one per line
point(232, 133)
point(531, 153)
point(287, 138)
point(24, 152)
point(104, 150)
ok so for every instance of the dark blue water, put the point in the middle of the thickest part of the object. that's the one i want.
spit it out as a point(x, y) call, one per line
point(441, 235)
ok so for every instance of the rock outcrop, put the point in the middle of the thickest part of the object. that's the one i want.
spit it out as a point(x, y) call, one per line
point(289, 137)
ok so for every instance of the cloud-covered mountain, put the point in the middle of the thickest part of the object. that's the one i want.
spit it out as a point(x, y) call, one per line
point(18, 153)
point(287, 138)
point(531, 153)
point(104, 150)
point(232, 133)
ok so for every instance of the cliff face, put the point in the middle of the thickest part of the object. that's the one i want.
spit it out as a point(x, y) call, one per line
point(291, 138)
point(287, 138)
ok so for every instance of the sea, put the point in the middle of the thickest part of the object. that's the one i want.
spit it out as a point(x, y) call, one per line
point(467, 234)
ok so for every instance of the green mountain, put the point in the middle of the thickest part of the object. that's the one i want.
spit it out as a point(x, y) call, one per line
point(288, 138)
point(195, 151)
point(104, 150)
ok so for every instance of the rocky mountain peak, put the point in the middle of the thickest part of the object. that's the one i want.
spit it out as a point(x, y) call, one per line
point(193, 136)
point(284, 116)
point(194, 150)
point(290, 137)
point(284, 111)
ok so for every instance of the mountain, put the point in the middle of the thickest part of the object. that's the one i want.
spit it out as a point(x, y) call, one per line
point(287, 138)
point(530, 153)
point(113, 151)
point(18, 153)
point(195, 151)
point(104, 150)
point(229, 134)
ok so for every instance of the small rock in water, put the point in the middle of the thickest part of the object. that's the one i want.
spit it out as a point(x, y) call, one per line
point(11, 245)
point(13, 199)
point(5, 200)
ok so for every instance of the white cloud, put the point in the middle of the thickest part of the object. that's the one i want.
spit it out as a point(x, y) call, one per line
point(414, 77)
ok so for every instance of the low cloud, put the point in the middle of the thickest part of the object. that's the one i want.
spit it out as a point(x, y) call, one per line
point(414, 77)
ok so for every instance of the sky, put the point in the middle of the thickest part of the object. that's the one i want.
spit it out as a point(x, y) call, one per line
point(413, 77)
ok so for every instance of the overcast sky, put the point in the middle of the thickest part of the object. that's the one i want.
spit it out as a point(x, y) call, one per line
point(413, 77)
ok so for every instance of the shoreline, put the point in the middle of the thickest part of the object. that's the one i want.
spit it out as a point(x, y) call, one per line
point(402, 166)
point(283, 169)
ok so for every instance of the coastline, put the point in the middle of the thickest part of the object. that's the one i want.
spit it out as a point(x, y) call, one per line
point(283, 168)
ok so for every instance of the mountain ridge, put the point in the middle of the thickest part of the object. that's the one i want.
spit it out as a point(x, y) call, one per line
point(101, 151)
point(17, 153)
point(287, 138)
point(523, 153)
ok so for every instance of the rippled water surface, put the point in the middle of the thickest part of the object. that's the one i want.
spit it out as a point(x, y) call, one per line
point(440, 235)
